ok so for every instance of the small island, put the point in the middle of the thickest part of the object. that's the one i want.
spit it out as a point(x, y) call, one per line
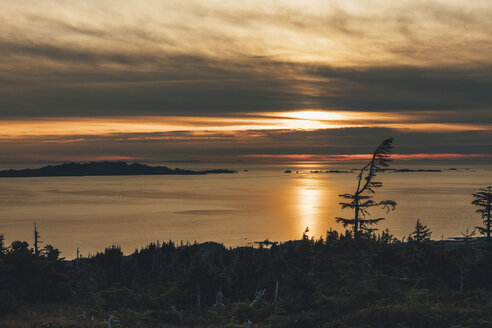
point(102, 169)
point(411, 170)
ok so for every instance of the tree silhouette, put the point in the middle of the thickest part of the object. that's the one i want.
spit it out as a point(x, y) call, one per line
point(362, 200)
point(2, 244)
point(483, 200)
point(420, 234)
point(36, 240)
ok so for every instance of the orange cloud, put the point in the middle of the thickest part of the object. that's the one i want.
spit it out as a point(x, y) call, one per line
point(297, 120)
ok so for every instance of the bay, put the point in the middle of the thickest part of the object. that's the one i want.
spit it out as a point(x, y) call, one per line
point(263, 202)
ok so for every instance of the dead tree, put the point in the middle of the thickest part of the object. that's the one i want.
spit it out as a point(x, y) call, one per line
point(361, 201)
point(219, 300)
point(258, 296)
point(111, 320)
point(276, 293)
point(465, 257)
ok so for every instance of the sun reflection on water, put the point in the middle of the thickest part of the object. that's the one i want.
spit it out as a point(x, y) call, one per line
point(309, 194)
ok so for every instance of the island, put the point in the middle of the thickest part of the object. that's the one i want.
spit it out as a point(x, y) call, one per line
point(411, 170)
point(339, 171)
point(103, 169)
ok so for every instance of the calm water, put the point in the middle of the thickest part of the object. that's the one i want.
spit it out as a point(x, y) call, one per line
point(94, 212)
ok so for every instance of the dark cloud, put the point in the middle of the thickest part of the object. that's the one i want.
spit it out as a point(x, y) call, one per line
point(75, 55)
point(410, 88)
point(159, 84)
point(193, 58)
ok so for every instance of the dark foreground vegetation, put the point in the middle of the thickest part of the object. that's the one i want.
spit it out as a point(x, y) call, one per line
point(337, 281)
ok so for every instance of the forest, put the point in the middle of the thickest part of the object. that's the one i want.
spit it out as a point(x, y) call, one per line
point(336, 281)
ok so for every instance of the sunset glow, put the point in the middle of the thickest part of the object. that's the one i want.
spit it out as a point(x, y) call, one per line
point(317, 115)
point(189, 80)
point(305, 120)
point(256, 129)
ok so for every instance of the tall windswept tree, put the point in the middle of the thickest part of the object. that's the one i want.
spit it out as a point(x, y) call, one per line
point(483, 200)
point(362, 200)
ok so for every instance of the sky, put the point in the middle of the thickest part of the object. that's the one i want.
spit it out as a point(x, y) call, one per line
point(244, 80)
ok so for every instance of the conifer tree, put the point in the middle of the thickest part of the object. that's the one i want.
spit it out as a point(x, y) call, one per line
point(36, 240)
point(420, 234)
point(483, 200)
point(2, 244)
point(362, 200)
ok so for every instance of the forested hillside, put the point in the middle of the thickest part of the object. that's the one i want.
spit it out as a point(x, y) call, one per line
point(337, 281)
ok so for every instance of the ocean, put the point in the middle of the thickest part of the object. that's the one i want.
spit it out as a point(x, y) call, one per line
point(91, 213)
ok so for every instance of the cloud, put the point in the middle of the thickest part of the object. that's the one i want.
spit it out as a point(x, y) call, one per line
point(188, 145)
point(431, 60)
point(192, 85)
point(402, 88)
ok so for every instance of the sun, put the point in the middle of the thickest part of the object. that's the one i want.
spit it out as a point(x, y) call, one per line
point(316, 115)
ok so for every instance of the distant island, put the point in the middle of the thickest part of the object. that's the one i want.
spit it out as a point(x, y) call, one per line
point(386, 170)
point(102, 169)
point(411, 170)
